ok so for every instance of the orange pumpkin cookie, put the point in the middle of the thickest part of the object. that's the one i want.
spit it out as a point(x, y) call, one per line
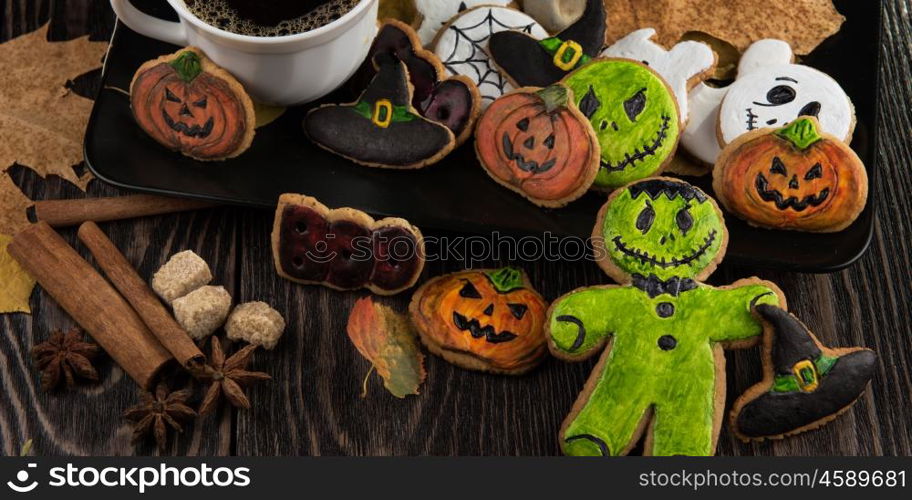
point(482, 320)
point(188, 104)
point(793, 178)
point(537, 143)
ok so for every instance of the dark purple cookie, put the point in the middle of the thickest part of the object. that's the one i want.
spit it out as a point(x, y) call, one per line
point(397, 259)
point(350, 246)
point(303, 250)
point(451, 104)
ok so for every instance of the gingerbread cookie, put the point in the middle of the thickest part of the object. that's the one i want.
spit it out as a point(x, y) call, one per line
point(437, 13)
point(453, 102)
point(489, 320)
point(634, 114)
point(188, 104)
point(344, 249)
point(537, 143)
point(528, 62)
point(661, 331)
point(684, 66)
point(381, 129)
point(792, 178)
point(462, 46)
point(805, 384)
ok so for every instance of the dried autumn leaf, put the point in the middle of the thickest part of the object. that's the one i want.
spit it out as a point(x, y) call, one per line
point(802, 23)
point(16, 285)
point(42, 123)
point(388, 340)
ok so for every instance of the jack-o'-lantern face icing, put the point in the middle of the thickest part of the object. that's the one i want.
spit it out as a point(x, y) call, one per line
point(661, 228)
point(792, 178)
point(634, 115)
point(189, 105)
point(490, 320)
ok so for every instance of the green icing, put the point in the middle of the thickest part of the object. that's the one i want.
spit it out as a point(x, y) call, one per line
point(506, 279)
point(636, 118)
point(802, 133)
point(187, 65)
point(663, 247)
point(678, 385)
point(400, 113)
point(789, 383)
point(553, 44)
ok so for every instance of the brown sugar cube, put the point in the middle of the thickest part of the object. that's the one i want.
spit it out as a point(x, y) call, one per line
point(256, 323)
point(183, 273)
point(203, 310)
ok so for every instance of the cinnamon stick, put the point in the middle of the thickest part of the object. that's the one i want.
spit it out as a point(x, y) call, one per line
point(63, 213)
point(128, 282)
point(91, 301)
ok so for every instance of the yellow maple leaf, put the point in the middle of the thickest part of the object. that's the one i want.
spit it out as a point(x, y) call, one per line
point(15, 283)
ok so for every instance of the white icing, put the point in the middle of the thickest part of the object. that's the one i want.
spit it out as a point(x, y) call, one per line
point(699, 138)
point(766, 65)
point(436, 13)
point(680, 65)
point(463, 46)
point(555, 15)
point(762, 66)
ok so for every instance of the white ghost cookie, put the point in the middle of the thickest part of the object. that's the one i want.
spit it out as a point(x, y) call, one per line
point(436, 13)
point(463, 43)
point(770, 91)
point(685, 65)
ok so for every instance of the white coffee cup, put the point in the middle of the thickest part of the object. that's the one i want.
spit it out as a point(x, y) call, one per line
point(281, 70)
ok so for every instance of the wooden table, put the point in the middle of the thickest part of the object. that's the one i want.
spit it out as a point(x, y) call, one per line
point(313, 406)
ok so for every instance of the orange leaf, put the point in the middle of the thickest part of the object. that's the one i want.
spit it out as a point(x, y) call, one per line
point(388, 340)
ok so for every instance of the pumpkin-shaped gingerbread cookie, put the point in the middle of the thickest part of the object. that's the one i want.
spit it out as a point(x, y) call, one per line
point(188, 104)
point(482, 320)
point(537, 143)
point(793, 178)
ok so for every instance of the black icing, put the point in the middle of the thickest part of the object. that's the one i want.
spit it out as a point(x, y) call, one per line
point(603, 448)
point(667, 342)
point(528, 64)
point(665, 309)
point(390, 82)
point(477, 331)
point(655, 286)
point(671, 189)
point(581, 330)
point(777, 413)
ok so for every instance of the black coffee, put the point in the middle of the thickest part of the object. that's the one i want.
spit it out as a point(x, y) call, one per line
point(269, 17)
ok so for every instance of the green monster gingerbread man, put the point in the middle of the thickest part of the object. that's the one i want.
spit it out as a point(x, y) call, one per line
point(662, 330)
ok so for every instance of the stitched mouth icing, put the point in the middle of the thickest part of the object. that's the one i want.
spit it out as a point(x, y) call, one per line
point(663, 262)
point(751, 119)
point(648, 150)
point(200, 132)
point(477, 331)
point(782, 203)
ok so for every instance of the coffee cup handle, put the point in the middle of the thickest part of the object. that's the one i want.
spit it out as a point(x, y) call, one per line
point(152, 27)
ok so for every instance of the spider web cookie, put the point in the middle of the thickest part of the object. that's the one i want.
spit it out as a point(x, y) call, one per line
point(462, 46)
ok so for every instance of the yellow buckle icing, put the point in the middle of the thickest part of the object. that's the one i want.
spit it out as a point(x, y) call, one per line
point(807, 383)
point(383, 113)
point(577, 51)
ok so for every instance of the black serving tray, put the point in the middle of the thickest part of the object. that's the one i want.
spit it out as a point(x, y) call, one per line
point(455, 194)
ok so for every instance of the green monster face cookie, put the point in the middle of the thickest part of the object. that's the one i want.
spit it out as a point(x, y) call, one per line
point(662, 227)
point(634, 114)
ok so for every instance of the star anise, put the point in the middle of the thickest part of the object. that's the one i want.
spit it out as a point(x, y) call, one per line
point(158, 411)
point(64, 356)
point(228, 377)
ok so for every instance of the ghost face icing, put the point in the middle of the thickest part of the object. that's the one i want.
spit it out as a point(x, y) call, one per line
point(772, 92)
point(683, 65)
point(437, 13)
point(463, 43)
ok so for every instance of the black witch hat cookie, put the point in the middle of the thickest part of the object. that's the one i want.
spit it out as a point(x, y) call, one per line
point(381, 129)
point(805, 384)
point(454, 101)
point(529, 62)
